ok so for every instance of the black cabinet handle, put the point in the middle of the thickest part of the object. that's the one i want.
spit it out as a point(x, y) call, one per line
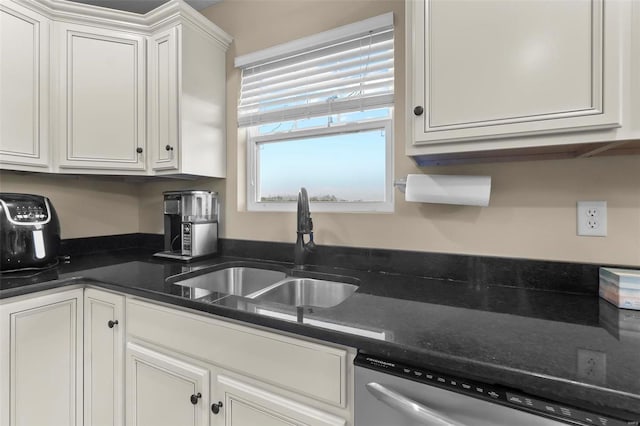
point(168, 148)
point(195, 397)
point(139, 150)
point(216, 407)
point(418, 110)
point(112, 323)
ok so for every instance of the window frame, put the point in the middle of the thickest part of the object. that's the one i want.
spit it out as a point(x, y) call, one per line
point(252, 184)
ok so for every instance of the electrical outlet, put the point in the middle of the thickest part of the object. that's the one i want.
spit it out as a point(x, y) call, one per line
point(592, 366)
point(592, 218)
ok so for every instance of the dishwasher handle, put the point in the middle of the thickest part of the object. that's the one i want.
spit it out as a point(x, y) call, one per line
point(409, 407)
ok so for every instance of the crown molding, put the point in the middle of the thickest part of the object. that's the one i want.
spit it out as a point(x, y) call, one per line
point(171, 13)
point(60, 10)
point(179, 10)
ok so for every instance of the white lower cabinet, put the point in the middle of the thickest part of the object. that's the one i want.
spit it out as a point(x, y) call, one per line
point(164, 390)
point(168, 388)
point(95, 358)
point(41, 360)
point(258, 378)
point(247, 405)
point(103, 358)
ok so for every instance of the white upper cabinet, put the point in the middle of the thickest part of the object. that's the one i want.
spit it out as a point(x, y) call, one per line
point(494, 74)
point(24, 88)
point(187, 100)
point(101, 102)
point(163, 99)
point(111, 92)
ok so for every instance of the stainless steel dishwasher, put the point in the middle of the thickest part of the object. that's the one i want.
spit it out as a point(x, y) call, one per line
point(392, 394)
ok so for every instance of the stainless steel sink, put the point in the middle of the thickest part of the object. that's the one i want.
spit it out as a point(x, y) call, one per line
point(239, 281)
point(261, 285)
point(306, 292)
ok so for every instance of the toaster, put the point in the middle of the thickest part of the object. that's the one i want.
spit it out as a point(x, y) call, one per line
point(29, 231)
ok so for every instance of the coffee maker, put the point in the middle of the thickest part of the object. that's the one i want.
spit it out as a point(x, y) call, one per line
point(190, 224)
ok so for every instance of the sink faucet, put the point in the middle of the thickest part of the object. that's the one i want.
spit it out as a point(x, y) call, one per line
point(305, 226)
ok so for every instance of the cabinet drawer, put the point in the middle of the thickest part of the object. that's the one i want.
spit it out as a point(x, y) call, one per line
point(311, 369)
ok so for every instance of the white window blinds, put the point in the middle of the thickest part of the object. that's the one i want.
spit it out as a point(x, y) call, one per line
point(346, 69)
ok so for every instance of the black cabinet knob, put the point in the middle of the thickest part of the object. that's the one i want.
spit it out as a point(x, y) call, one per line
point(418, 110)
point(168, 148)
point(215, 408)
point(195, 397)
point(112, 323)
point(139, 150)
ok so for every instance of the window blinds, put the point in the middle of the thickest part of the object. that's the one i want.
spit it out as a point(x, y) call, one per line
point(332, 74)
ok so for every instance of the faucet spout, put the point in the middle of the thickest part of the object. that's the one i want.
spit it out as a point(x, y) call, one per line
point(305, 226)
point(304, 216)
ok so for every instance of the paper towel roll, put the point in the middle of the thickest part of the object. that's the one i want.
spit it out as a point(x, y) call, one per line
point(449, 189)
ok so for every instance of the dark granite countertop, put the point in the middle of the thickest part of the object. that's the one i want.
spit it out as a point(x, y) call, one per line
point(526, 339)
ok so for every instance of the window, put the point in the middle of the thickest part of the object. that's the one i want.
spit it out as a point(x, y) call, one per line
point(319, 114)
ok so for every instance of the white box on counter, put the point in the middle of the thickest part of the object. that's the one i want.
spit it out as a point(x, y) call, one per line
point(620, 287)
point(620, 323)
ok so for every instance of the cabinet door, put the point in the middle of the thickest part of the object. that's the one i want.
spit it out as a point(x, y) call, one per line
point(282, 361)
point(163, 390)
point(495, 68)
point(41, 361)
point(103, 358)
point(163, 98)
point(101, 118)
point(24, 88)
point(247, 405)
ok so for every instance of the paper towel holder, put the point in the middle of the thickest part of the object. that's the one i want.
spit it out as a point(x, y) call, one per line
point(400, 184)
point(446, 189)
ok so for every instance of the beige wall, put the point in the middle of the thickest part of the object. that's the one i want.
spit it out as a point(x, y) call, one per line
point(532, 209)
point(90, 206)
point(86, 206)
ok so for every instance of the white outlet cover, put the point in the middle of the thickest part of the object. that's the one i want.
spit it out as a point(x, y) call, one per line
point(592, 218)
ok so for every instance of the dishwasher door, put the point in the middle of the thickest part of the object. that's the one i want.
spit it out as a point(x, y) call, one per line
point(386, 400)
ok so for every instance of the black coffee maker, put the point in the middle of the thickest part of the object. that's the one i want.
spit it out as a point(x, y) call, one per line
point(29, 231)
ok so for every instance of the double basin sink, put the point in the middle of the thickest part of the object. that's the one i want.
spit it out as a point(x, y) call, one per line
point(264, 285)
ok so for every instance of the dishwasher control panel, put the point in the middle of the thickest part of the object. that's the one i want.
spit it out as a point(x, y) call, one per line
point(490, 392)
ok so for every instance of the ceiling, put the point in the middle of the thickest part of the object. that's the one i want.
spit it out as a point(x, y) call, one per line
point(143, 6)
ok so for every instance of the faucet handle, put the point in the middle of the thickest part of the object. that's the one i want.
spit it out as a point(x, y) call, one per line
point(310, 246)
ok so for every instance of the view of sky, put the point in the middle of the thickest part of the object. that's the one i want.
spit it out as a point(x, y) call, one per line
point(349, 166)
